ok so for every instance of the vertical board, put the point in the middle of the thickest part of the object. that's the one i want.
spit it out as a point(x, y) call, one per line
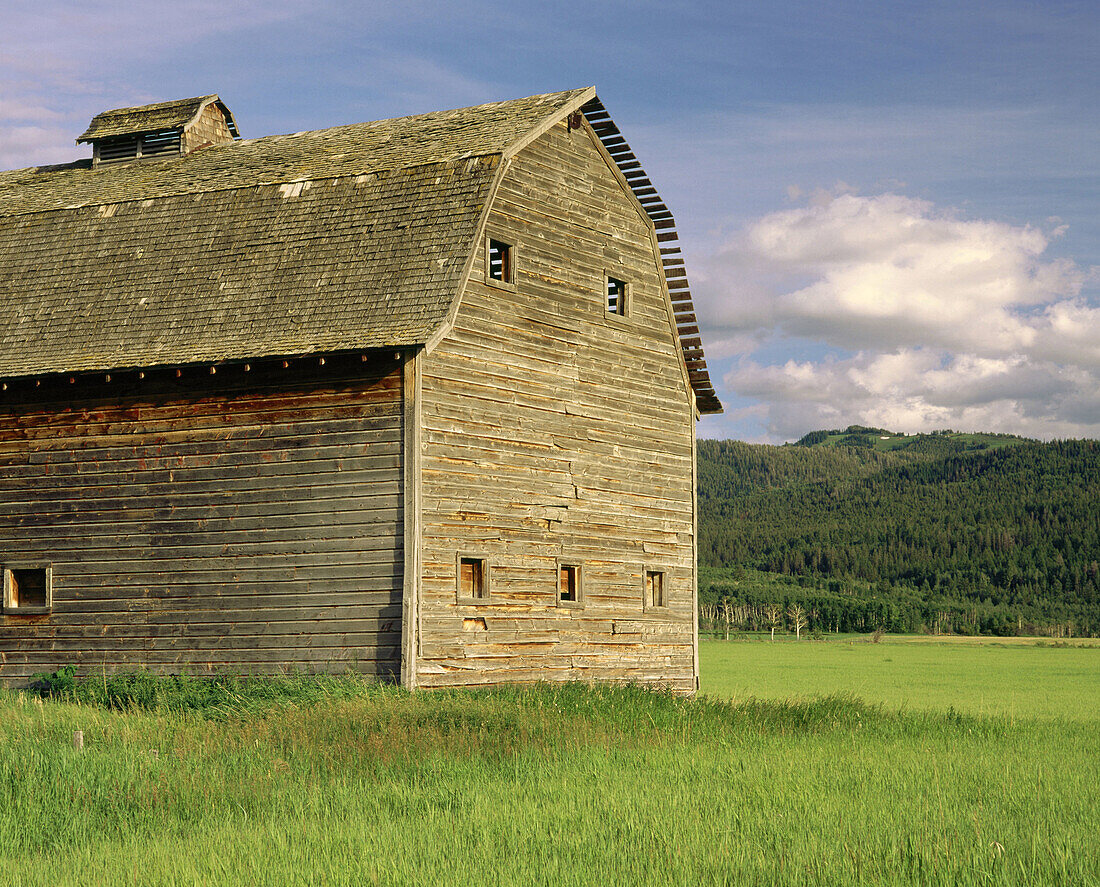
point(248, 528)
point(410, 596)
point(556, 432)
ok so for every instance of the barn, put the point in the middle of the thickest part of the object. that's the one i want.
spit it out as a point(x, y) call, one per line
point(414, 398)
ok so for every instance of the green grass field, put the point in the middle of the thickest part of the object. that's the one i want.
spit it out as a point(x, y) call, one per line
point(342, 783)
point(1011, 677)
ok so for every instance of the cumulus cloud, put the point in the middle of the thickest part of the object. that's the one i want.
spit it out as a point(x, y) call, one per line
point(922, 319)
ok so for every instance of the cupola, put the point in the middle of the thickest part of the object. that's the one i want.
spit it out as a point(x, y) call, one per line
point(165, 129)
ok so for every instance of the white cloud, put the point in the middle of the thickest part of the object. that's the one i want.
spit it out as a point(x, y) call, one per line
point(919, 390)
point(922, 319)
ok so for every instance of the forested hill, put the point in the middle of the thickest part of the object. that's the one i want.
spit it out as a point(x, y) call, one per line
point(980, 532)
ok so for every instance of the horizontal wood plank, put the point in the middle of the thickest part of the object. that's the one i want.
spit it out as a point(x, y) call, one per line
point(256, 529)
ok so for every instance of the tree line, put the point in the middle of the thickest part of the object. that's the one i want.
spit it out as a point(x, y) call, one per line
point(940, 535)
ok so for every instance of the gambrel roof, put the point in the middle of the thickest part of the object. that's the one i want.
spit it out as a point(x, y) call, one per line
point(347, 238)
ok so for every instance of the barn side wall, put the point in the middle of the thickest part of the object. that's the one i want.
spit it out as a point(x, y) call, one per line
point(244, 523)
point(555, 433)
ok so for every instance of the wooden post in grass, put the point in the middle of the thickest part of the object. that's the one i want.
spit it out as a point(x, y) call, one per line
point(78, 740)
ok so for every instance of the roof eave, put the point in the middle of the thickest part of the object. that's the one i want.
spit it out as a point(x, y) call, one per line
point(664, 226)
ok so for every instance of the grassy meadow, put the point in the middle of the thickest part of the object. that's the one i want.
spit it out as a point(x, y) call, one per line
point(340, 782)
point(1017, 678)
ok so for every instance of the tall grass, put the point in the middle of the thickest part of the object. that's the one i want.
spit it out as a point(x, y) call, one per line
point(341, 782)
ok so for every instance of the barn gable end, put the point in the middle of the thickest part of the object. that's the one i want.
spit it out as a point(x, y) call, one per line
point(557, 433)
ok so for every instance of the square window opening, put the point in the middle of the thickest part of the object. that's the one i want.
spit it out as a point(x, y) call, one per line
point(501, 261)
point(655, 589)
point(616, 296)
point(473, 579)
point(570, 589)
point(28, 589)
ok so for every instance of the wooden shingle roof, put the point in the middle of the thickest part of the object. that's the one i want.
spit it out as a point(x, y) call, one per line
point(148, 118)
point(353, 237)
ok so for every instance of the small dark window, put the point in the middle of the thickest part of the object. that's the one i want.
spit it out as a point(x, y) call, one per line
point(473, 579)
point(616, 296)
point(570, 589)
point(28, 589)
point(501, 261)
point(655, 589)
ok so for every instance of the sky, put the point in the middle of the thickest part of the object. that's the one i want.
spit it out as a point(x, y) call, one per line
point(888, 209)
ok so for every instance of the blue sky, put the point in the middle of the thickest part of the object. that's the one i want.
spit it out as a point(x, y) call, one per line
point(889, 209)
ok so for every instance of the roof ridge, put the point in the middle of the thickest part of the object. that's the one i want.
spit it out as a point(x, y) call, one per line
point(493, 128)
point(158, 106)
point(305, 133)
point(238, 186)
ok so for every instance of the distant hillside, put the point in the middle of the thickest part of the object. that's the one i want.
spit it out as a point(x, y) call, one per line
point(941, 443)
point(999, 533)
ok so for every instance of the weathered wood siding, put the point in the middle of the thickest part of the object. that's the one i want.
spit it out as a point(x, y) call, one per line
point(230, 528)
point(554, 431)
point(209, 129)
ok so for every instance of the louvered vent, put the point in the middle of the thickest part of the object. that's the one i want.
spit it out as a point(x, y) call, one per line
point(167, 129)
point(135, 147)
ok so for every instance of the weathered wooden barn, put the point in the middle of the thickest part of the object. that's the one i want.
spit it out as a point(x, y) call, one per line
point(415, 398)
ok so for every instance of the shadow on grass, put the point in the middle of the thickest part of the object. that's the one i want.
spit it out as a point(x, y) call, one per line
point(543, 715)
